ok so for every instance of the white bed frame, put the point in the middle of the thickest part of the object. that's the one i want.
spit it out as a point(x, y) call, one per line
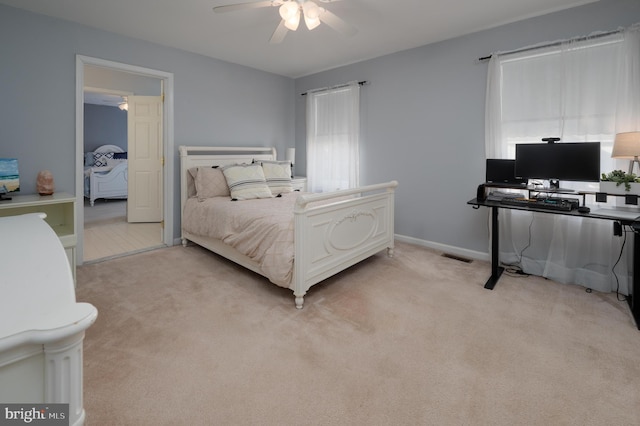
point(328, 238)
point(109, 185)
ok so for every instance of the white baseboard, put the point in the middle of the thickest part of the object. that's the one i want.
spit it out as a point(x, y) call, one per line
point(471, 254)
point(458, 251)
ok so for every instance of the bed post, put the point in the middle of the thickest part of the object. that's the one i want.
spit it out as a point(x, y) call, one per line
point(391, 190)
point(184, 152)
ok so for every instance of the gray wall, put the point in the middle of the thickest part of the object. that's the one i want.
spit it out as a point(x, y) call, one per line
point(423, 119)
point(104, 125)
point(422, 115)
point(215, 102)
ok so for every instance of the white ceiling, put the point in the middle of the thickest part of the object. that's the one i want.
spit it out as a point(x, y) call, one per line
point(101, 98)
point(242, 37)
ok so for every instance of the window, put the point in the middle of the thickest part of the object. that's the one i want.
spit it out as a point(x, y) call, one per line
point(333, 133)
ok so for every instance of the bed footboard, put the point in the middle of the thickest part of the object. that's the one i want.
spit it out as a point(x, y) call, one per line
point(109, 185)
point(331, 237)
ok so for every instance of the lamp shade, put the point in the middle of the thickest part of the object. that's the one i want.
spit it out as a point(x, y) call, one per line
point(626, 145)
point(290, 155)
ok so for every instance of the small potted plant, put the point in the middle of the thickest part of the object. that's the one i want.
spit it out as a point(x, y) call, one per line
point(619, 177)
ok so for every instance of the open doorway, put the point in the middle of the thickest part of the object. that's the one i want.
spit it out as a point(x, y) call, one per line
point(121, 80)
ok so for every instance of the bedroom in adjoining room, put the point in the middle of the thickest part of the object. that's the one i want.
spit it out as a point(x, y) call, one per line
point(108, 232)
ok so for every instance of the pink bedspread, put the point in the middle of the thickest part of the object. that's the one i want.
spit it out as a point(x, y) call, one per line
point(260, 229)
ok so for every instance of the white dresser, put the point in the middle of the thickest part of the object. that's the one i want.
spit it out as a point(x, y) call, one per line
point(60, 209)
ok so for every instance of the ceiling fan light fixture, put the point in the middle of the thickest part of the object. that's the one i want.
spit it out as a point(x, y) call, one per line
point(293, 22)
point(124, 105)
point(288, 10)
point(311, 14)
point(311, 22)
point(310, 9)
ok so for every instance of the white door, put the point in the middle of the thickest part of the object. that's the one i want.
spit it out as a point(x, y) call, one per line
point(145, 186)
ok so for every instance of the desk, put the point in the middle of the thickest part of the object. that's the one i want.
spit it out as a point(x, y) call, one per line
point(497, 270)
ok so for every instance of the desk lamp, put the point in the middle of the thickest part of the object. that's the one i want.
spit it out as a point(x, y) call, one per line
point(627, 145)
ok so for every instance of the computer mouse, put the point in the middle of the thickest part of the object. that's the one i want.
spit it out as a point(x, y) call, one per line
point(584, 209)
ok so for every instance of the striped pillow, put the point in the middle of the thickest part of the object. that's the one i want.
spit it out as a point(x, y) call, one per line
point(278, 176)
point(246, 181)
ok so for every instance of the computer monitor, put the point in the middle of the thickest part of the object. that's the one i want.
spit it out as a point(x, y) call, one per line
point(502, 171)
point(9, 177)
point(572, 161)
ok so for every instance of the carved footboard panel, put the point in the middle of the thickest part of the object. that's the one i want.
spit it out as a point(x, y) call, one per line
point(109, 185)
point(330, 238)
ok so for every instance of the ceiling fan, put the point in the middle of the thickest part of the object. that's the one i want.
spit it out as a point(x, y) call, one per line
point(291, 11)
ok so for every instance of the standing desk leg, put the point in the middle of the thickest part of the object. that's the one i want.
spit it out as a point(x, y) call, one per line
point(634, 297)
point(496, 270)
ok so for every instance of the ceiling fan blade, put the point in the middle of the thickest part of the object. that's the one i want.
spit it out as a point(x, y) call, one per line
point(279, 33)
point(337, 23)
point(251, 5)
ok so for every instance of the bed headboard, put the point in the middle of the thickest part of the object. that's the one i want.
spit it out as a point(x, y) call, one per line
point(209, 156)
point(108, 148)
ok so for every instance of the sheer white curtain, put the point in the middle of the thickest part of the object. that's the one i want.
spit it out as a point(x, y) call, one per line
point(580, 91)
point(333, 133)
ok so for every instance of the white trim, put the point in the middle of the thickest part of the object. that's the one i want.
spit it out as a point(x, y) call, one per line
point(459, 251)
point(168, 143)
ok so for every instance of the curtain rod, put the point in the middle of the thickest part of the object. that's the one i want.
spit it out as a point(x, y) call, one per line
point(361, 83)
point(551, 44)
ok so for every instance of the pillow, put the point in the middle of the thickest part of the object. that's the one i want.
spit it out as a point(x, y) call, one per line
point(210, 182)
point(120, 155)
point(100, 158)
point(278, 176)
point(112, 162)
point(88, 159)
point(246, 181)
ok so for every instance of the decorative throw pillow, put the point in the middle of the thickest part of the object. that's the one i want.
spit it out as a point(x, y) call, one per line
point(278, 176)
point(112, 162)
point(120, 155)
point(210, 182)
point(100, 158)
point(88, 159)
point(246, 181)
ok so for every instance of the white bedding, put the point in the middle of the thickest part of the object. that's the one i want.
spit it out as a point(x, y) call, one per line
point(261, 229)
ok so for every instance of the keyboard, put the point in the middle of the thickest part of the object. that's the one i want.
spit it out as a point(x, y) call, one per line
point(545, 204)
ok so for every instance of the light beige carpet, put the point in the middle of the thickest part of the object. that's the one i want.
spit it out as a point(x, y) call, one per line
point(184, 337)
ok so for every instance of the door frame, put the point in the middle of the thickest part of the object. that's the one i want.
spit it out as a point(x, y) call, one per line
point(168, 143)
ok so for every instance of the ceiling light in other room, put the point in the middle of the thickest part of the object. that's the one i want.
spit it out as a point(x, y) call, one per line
point(124, 105)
